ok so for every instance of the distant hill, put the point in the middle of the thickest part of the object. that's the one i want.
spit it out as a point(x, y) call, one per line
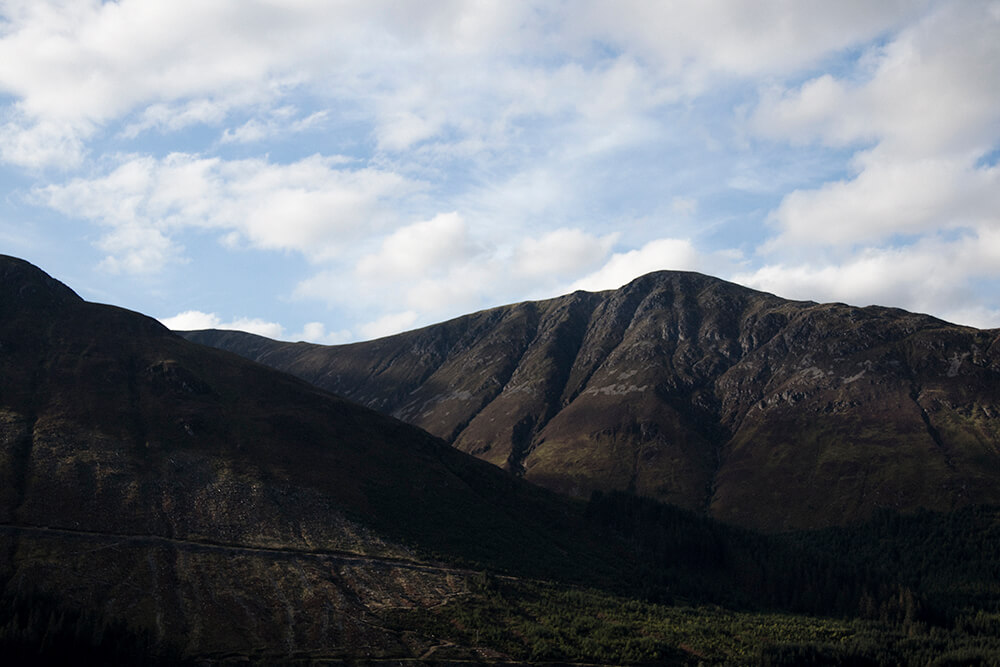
point(768, 413)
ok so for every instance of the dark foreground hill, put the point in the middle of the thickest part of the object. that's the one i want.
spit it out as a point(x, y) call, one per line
point(228, 508)
point(760, 411)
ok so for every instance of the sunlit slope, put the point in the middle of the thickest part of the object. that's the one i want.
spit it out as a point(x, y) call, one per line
point(758, 410)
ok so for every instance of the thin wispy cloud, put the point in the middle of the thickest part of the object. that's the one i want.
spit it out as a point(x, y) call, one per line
point(334, 171)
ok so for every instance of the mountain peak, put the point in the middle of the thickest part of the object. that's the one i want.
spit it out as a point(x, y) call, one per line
point(23, 285)
point(695, 391)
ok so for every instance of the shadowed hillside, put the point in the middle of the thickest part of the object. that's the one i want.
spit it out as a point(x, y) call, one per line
point(225, 507)
point(765, 412)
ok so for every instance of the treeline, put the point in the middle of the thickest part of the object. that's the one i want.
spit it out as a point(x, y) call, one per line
point(684, 556)
point(952, 560)
point(36, 629)
point(924, 567)
point(924, 585)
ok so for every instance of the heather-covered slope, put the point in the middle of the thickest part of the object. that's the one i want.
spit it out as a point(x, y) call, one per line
point(225, 507)
point(761, 411)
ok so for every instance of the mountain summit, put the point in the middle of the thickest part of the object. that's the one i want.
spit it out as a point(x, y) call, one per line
point(765, 412)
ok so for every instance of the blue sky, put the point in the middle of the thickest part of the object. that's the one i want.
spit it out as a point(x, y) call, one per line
point(341, 171)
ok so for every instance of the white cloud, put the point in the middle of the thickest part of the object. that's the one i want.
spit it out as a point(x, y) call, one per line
point(563, 252)
point(420, 248)
point(249, 132)
point(278, 122)
point(422, 71)
point(658, 255)
point(42, 143)
point(314, 206)
point(433, 270)
point(891, 196)
point(313, 332)
point(173, 117)
point(933, 275)
point(191, 320)
point(920, 94)
point(316, 332)
point(172, 63)
point(696, 40)
point(922, 101)
point(387, 325)
point(137, 248)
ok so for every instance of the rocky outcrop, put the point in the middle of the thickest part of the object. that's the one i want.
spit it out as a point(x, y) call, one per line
point(761, 411)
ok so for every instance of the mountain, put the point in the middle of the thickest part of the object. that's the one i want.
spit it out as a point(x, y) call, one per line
point(161, 501)
point(230, 510)
point(760, 411)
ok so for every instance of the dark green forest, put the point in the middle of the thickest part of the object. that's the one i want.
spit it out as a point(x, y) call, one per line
point(918, 589)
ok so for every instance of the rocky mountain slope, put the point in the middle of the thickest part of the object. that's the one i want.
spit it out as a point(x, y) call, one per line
point(230, 510)
point(765, 412)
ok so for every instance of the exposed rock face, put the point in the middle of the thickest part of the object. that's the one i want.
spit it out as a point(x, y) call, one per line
point(761, 411)
point(229, 508)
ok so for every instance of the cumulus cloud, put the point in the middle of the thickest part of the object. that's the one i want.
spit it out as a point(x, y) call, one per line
point(389, 324)
point(312, 332)
point(166, 65)
point(191, 320)
point(173, 117)
point(313, 206)
point(891, 196)
point(920, 94)
point(316, 332)
point(37, 144)
point(933, 275)
point(658, 255)
point(136, 248)
point(921, 101)
point(695, 41)
point(423, 71)
point(434, 269)
point(418, 249)
point(279, 121)
point(563, 252)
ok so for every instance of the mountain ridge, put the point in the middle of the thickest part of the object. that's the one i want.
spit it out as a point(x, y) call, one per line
point(679, 385)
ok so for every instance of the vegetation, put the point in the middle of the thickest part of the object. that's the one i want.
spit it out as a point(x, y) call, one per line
point(919, 589)
point(544, 623)
point(36, 629)
point(952, 559)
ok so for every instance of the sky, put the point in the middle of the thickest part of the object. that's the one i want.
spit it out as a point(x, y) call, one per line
point(340, 171)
